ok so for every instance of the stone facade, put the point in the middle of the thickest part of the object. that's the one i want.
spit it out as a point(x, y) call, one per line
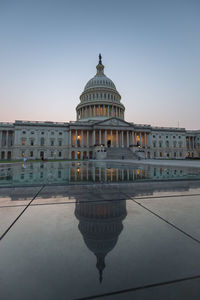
point(100, 125)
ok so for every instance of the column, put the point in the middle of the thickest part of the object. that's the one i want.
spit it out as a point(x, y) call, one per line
point(117, 137)
point(140, 140)
point(145, 138)
point(127, 138)
point(132, 137)
point(122, 133)
point(192, 141)
point(105, 137)
point(81, 138)
point(105, 175)
point(94, 138)
point(90, 109)
point(99, 110)
point(70, 137)
point(103, 110)
point(100, 137)
point(111, 144)
point(7, 139)
point(107, 110)
point(87, 138)
point(135, 138)
point(0, 138)
point(76, 138)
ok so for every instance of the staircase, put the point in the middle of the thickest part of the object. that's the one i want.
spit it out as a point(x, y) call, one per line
point(120, 153)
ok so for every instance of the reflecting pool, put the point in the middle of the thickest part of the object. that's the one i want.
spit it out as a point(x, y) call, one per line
point(88, 172)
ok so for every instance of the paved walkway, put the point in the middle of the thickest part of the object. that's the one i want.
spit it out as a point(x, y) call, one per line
point(100, 242)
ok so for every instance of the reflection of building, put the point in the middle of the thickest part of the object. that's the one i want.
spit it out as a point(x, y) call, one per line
point(100, 224)
point(88, 172)
point(100, 131)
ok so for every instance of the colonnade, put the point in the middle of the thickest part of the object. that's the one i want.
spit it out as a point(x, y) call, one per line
point(100, 111)
point(191, 142)
point(111, 138)
point(6, 138)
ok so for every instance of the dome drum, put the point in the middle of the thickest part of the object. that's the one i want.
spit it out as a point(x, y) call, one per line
point(99, 110)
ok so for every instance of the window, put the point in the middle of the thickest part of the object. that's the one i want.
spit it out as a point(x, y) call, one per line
point(60, 143)
point(174, 137)
point(166, 136)
point(179, 137)
point(31, 154)
point(52, 133)
point(167, 144)
point(174, 143)
point(24, 132)
point(60, 154)
point(160, 144)
point(160, 154)
point(180, 154)
point(60, 133)
point(42, 132)
point(153, 136)
point(23, 141)
point(52, 143)
point(51, 153)
point(32, 143)
point(42, 142)
point(32, 132)
point(154, 144)
point(174, 154)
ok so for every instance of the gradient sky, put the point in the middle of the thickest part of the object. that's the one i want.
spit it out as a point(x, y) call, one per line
point(151, 50)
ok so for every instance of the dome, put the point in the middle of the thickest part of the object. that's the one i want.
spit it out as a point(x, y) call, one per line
point(100, 82)
point(100, 99)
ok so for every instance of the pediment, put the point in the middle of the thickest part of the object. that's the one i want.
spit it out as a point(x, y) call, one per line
point(114, 122)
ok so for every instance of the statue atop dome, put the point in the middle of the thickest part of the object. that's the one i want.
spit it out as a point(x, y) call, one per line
point(100, 57)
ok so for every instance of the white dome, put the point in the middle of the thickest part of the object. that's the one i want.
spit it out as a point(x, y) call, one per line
point(100, 81)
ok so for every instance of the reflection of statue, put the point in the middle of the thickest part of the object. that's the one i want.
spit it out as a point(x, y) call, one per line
point(100, 224)
point(100, 57)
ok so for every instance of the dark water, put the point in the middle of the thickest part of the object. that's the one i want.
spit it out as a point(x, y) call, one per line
point(88, 172)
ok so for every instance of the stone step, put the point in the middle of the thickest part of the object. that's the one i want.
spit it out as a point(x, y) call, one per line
point(120, 153)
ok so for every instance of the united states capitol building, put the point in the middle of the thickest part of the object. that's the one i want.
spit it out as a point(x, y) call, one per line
point(99, 132)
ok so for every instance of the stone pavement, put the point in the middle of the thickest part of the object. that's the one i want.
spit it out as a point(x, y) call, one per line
point(100, 241)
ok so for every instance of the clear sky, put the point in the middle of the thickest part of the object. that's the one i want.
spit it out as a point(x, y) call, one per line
point(150, 48)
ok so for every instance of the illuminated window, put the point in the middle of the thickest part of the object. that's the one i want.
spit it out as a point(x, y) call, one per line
point(23, 141)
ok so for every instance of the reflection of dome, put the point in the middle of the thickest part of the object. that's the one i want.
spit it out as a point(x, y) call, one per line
point(100, 224)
